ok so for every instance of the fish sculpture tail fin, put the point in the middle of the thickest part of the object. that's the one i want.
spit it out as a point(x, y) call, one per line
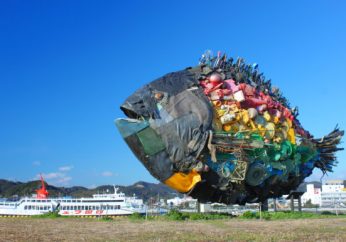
point(327, 146)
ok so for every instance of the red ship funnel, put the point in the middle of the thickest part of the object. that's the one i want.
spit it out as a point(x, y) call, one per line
point(42, 193)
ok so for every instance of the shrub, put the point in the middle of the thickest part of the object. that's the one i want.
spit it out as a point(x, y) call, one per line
point(327, 213)
point(248, 214)
point(175, 215)
point(265, 215)
point(198, 216)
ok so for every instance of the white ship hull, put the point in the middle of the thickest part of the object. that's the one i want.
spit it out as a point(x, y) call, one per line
point(99, 205)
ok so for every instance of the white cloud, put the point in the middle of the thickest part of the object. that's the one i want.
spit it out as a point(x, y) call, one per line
point(107, 173)
point(65, 168)
point(36, 163)
point(51, 175)
point(59, 178)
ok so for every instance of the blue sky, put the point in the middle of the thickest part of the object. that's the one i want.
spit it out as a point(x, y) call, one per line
point(66, 66)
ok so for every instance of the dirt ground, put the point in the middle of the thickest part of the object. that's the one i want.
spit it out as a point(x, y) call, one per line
point(82, 229)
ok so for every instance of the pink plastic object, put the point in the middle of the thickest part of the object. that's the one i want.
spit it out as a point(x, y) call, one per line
point(230, 84)
point(212, 86)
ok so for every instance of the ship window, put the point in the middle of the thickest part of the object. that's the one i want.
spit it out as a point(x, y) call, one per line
point(73, 201)
point(75, 207)
point(93, 208)
point(79, 207)
point(25, 207)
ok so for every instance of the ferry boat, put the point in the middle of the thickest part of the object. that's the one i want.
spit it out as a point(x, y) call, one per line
point(105, 204)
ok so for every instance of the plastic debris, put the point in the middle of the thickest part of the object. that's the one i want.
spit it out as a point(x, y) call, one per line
point(221, 132)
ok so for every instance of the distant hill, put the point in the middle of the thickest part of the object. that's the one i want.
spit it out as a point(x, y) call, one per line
point(144, 190)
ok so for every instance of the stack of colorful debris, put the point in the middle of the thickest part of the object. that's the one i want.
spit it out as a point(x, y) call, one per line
point(221, 133)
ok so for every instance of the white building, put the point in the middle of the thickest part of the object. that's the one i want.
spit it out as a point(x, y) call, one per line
point(333, 193)
point(177, 201)
point(313, 194)
point(333, 186)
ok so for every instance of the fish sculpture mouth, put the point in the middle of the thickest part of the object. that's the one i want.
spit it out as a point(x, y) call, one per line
point(220, 133)
point(131, 114)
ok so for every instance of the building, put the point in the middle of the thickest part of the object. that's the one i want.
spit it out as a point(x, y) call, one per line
point(334, 186)
point(312, 194)
point(333, 194)
point(177, 201)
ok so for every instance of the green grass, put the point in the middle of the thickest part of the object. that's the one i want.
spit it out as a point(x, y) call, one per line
point(287, 215)
point(48, 215)
point(175, 215)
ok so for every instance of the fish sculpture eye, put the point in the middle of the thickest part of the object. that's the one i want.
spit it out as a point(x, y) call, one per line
point(220, 132)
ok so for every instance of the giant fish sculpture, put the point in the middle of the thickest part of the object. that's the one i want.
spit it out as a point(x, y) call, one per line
point(220, 132)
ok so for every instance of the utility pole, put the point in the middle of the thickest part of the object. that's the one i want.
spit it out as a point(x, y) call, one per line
point(275, 206)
